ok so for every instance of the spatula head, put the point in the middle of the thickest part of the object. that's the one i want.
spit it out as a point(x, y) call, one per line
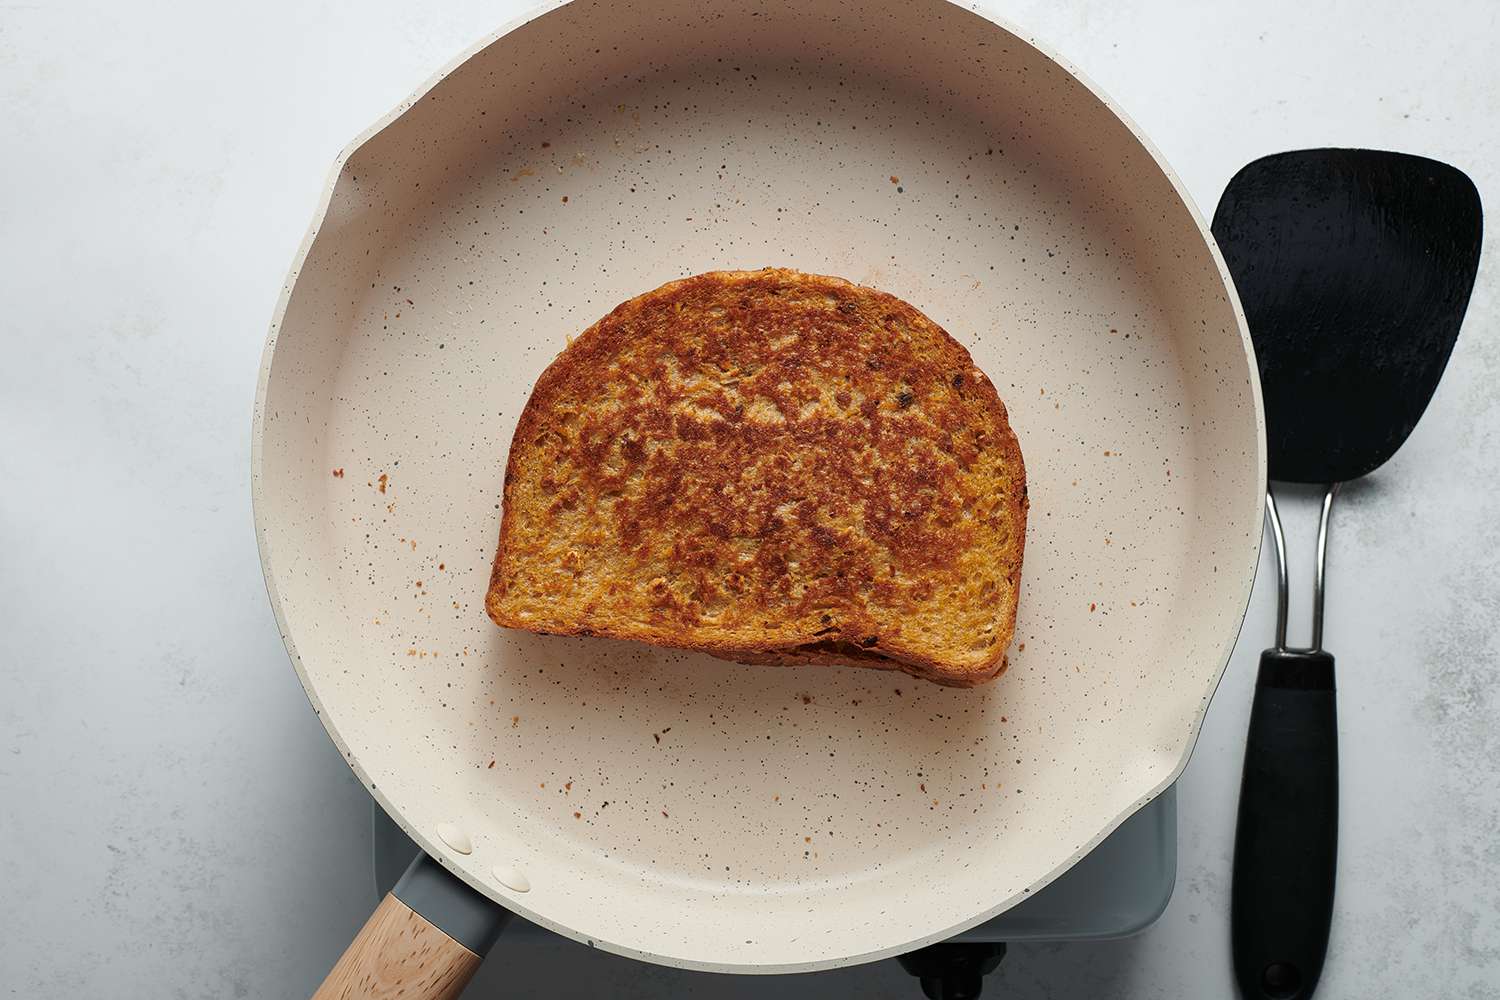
point(1354, 267)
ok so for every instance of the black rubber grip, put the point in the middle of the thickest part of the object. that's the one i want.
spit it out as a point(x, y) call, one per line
point(1286, 841)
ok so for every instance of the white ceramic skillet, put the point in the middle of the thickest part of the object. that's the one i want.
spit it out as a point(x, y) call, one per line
point(670, 806)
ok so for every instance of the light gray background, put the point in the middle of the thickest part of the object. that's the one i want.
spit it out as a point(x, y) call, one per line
point(174, 822)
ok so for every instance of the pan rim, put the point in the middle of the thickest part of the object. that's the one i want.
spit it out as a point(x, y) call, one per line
point(435, 848)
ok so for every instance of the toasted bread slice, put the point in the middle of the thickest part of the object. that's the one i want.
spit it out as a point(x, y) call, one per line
point(772, 467)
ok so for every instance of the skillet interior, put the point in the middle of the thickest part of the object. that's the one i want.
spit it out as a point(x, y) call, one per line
point(672, 806)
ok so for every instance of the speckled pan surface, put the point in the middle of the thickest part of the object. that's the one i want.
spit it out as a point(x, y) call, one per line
point(670, 806)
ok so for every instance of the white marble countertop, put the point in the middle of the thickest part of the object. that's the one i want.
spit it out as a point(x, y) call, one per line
point(175, 823)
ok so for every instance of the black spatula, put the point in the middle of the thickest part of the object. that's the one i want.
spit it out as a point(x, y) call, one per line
point(1354, 267)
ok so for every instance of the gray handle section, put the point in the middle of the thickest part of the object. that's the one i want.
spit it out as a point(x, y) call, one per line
point(449, 904)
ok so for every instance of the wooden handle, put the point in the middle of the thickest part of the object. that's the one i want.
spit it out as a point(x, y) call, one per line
point(399, 954)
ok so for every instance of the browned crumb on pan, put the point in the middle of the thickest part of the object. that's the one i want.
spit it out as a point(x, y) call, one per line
point(382, 481)
point(338, 473)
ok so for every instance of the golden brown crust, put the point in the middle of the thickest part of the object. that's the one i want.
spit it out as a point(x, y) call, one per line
point(768, 465)
point(837, 657)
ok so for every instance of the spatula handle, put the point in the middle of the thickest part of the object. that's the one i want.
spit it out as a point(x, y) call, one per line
point(1286, 841)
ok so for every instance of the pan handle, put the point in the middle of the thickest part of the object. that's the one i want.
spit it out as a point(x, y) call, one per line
point(423, 942)
point(1286, 841)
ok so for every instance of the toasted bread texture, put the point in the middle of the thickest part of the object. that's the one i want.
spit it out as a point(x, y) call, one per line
point(772, 467)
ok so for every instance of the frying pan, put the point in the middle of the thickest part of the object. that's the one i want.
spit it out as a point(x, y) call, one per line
point(665, 805)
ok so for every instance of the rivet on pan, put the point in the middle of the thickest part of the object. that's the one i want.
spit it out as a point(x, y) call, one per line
point(511, 877)
point(455, 838)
